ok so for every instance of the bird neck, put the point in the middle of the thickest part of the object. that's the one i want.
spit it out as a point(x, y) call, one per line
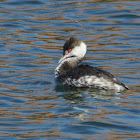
point(67, 65)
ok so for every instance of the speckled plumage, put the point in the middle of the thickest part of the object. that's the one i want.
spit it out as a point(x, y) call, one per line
point(69, 73)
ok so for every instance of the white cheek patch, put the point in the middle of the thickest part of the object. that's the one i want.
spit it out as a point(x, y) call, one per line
point(79, 51)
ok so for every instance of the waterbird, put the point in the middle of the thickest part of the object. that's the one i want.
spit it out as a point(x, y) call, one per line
point(71, 73)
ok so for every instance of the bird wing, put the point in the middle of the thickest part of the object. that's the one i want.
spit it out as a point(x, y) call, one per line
point(86, 70)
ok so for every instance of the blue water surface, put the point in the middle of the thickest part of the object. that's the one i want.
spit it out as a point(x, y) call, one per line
point(32, 33)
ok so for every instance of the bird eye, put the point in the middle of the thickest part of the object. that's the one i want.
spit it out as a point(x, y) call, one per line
point(69, 50)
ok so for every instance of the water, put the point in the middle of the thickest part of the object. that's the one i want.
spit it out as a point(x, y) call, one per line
point(32, 33)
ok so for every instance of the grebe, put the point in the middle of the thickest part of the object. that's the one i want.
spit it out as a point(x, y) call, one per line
point(69, 73)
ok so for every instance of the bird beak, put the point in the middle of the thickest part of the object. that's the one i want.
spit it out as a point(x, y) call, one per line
point(62, 58)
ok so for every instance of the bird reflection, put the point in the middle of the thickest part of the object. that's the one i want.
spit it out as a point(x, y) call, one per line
point(79, 94)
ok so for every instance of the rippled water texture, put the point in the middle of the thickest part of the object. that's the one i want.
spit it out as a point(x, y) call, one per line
point(32, 33)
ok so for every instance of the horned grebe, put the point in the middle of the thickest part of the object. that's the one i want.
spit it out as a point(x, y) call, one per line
point(69, 73)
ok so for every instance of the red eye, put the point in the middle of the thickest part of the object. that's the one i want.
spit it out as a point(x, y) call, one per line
point(69, 50)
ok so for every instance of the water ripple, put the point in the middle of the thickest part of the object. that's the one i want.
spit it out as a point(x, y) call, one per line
point(32, 33)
